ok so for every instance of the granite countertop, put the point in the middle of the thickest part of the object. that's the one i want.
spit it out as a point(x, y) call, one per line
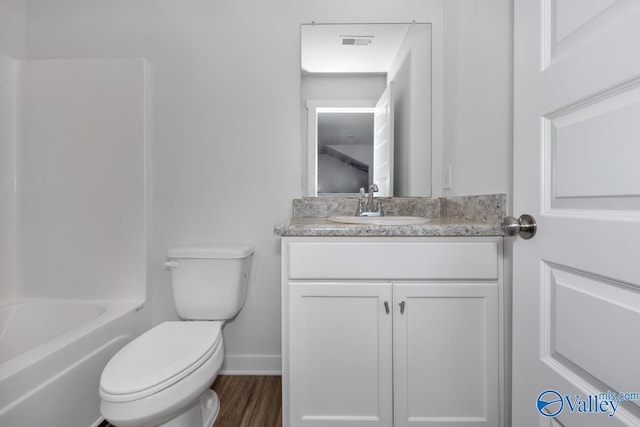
point(460, 216)
point(310, 226)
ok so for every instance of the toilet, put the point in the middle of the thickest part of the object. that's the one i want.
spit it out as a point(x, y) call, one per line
point(162, 377)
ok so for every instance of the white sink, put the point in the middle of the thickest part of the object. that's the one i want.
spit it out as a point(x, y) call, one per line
point(379, 220)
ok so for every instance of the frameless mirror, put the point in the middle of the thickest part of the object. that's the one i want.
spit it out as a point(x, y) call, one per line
point(366, 98)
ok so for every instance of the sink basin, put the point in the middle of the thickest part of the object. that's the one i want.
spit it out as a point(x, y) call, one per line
point(379, 220)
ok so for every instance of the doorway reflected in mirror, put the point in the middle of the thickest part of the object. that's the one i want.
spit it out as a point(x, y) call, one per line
point(345, 151)
point(354, 65)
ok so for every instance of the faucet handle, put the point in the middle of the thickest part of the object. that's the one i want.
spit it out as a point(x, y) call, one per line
point(360, 209)
point(379, 207)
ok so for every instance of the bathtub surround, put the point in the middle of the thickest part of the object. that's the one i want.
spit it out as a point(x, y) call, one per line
point(73, 178)
point(13, 31)
point(74, 230)
point(8, 106)
point(81, 179)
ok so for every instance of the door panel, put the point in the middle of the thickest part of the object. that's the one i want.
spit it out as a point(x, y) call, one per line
point(576, 285)
point(591, 142)
point(570, 334)
point(572, 15)
point(383, 143)
point(446, 354)
point(340, 354)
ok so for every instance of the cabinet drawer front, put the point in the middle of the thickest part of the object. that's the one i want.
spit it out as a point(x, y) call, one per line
point(395, 261)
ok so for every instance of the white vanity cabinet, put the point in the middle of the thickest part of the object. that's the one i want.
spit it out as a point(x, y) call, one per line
point(381, 331)
point(340, 354)
point(446, 354)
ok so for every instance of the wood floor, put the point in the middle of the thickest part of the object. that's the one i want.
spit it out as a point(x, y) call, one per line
point(248, 401)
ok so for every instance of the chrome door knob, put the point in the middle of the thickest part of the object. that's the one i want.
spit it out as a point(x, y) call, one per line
point(525, 226)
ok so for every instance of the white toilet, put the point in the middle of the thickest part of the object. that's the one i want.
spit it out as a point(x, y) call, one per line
point(162, 378)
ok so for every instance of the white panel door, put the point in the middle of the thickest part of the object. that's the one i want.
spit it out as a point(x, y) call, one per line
point(340, 354)
point(446, 355)
point(576, 284)
point(383, 143)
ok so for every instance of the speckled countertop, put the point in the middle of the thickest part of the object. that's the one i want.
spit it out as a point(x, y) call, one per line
point(435, 227)
point(458, 216)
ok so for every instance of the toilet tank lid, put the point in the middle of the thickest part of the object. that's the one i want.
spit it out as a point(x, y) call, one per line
point(212, 251)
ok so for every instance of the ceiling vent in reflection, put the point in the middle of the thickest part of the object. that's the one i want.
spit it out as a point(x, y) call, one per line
point(356, 40)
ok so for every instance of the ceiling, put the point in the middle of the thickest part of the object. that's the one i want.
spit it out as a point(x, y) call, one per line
point(322, 49)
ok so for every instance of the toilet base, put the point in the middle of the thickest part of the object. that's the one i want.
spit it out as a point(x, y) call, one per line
point(209, 407)
point(202, 414)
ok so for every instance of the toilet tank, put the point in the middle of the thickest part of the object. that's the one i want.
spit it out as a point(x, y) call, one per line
point(209, 282)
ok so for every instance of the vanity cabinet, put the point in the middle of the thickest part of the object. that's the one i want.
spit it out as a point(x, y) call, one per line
point(340, 354)
point(446, 354)
point(392, 331)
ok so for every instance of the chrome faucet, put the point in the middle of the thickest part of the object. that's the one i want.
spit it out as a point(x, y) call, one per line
point(369, 210)
point(373, 188)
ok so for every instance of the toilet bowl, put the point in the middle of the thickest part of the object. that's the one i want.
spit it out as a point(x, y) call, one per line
point(162, 373)
point(162, 377)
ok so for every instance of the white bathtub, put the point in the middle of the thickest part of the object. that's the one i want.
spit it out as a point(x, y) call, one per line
point(52, 353)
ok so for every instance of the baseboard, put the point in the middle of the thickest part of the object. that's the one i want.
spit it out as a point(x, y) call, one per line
point(251, 364)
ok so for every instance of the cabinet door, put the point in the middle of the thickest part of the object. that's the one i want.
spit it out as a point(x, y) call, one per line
point(340, 354)
point(446, 357)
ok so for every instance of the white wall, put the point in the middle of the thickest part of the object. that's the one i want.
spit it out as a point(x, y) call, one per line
point(13, 15)
point(8, 106)
point(411, 74)
point(227, 155)
point(341, 87)
point(228, 151)
point(478, 45)
point(13, 27)
point(80, 205)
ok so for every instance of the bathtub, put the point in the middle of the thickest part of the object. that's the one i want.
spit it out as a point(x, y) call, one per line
point(52, 353)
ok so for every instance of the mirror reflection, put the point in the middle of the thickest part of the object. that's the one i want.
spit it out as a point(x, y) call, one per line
point(366, 91)
point(345, 151)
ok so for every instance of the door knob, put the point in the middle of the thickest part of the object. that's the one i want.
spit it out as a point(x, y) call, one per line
point(525, 226)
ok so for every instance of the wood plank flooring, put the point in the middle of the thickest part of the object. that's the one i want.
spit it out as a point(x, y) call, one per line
point(248, 401)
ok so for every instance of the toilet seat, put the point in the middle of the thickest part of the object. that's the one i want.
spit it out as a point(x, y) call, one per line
point(158, 359)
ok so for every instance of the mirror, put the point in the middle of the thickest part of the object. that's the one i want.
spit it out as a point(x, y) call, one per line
point(366, 98)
